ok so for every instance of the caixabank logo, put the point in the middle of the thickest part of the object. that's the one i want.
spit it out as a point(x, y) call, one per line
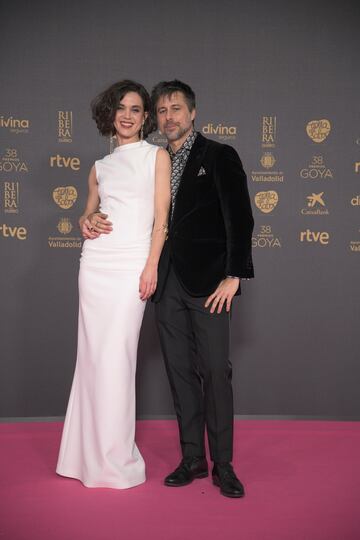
point(64, 228)
point(220, 131)
point(14, 125)
point(315, 205)
point(10, 162)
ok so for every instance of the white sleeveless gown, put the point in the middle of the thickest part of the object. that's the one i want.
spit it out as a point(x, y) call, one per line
point(98, 441)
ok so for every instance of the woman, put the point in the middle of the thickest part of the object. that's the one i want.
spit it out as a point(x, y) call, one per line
point(118, 273)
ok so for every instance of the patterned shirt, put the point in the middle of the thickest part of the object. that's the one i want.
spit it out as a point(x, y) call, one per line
point(178, 162)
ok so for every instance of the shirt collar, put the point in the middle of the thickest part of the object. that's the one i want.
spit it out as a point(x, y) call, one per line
point(185, 147)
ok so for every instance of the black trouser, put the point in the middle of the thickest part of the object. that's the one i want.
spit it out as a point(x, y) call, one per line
point(195, 345)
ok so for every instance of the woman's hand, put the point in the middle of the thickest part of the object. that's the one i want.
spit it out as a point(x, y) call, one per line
point(148, 281)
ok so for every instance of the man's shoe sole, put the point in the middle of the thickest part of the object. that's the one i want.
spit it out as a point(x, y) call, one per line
point(196, 476)
point(231, 495)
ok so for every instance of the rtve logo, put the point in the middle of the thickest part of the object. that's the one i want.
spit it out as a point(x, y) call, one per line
point(59, 161)
point(315, 236)
point(13, 232)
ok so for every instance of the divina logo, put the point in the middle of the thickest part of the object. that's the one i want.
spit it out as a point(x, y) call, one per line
point(15, 125)
point(315, 236)
point(223, 132)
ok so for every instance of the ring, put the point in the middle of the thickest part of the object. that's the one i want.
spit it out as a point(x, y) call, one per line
point(97, 223)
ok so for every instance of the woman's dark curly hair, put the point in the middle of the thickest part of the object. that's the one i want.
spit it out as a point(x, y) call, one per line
point(105, 105)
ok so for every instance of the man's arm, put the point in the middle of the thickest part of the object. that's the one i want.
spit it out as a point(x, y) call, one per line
point(235, 204)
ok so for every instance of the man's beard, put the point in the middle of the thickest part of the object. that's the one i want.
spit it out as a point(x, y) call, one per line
point(177, 134)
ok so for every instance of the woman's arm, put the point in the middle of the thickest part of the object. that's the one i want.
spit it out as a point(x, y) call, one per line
point(90, 230)
point(148, 278)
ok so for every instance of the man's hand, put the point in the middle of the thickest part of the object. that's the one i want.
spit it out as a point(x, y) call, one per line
point(86, 229)
point(224, 294)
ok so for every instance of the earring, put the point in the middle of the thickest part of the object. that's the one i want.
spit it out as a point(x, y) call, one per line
point(112, 145)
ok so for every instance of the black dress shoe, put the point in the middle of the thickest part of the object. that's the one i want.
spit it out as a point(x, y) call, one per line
point(189, 469)
point(224, 477)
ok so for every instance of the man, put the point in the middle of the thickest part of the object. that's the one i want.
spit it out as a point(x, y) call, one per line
point(207, 252)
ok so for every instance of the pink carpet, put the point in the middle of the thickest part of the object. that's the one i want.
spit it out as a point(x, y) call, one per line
point(302, 482)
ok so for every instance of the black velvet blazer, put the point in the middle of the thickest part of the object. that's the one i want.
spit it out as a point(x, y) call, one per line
point(210, 233)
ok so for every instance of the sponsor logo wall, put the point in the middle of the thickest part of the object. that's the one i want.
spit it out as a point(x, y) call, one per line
point(296, 128)
point(316, 173)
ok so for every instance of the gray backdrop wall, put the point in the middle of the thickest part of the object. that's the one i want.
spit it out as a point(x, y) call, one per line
point(277, 80)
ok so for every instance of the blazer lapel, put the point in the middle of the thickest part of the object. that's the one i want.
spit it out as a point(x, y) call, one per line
point(186, 193)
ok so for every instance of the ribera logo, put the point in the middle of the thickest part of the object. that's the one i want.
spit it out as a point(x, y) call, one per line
point(355, 201)
point(14, 125)
point(221, 131)
point(65, 126)
point(322, 238)
point(11, 231)
point(316, 170)
point(10, 162)
point(268, 131)
point(60, 161)
point(11, 197)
